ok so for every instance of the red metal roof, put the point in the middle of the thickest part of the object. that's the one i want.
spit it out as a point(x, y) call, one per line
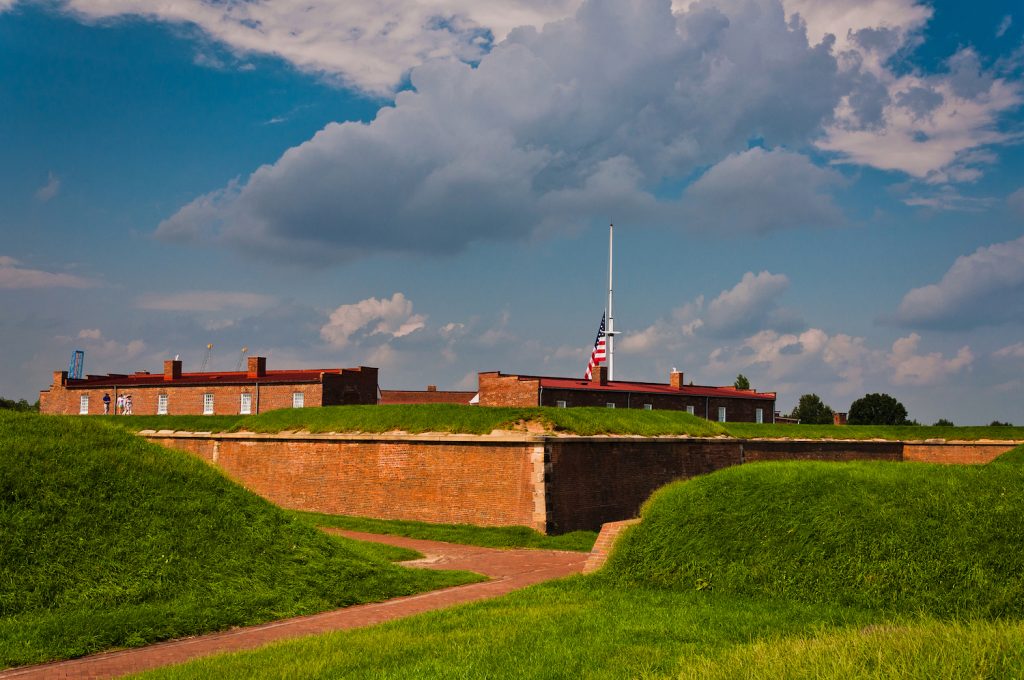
point(650, 388)
point(309, 375)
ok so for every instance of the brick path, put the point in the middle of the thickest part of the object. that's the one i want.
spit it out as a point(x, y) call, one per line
point(508, 569)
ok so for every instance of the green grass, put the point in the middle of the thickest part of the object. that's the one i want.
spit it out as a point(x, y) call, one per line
point(800, 570)
point(467, 534)
point(1014, 456)
point(891, 432)
point(922, 651)
point(898, 537)
point(460, 419)
point(110, 541)
point(576, 628)
point(449, 418)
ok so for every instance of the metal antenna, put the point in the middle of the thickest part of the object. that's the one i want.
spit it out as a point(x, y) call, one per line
point(206, 358)
point(241, 358)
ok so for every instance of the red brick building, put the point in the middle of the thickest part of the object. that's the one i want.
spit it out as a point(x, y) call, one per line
point(254, 390)
point(432, 395)
point(714, 403)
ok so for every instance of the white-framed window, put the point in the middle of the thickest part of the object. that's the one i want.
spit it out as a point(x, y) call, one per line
point(83, 405)
point(610, 404)
point(161, 404)
point(648, 407)
point(721, 414)
point(759, 415)
point(689, 409)
point(561, 403)
point(208, 404)
point(245, 405)
point(298, 399)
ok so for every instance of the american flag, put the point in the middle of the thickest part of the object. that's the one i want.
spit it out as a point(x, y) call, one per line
point(598, 355)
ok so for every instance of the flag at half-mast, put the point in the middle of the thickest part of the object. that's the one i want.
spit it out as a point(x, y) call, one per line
point(598, 355)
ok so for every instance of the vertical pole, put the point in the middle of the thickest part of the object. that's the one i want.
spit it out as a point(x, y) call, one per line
point(610, 331)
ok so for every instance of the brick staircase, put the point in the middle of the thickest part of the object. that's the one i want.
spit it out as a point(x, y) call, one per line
point(603, 546)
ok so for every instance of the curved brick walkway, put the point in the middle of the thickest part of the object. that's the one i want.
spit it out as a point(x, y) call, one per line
point(508, 569)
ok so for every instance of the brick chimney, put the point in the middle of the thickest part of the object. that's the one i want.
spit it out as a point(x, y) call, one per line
point(172, 369)
point(599, 376)
point(431, 388)
point(60, 378)
point(257, 367)
point(675, 380)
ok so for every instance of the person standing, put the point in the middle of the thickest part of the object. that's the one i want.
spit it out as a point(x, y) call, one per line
point(106, 404)
point(127, 405)
point(119, 406)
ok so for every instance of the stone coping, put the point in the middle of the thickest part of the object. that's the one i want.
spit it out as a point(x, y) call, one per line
point(499, 437)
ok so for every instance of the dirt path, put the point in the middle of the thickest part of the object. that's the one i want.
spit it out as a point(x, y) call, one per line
point(508, 569)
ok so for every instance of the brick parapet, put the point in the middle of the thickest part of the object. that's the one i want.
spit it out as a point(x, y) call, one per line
point(554, 484)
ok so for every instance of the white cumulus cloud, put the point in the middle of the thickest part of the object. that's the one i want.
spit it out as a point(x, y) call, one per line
point(911, 368)
point(549, 131)
point(389, 317)
point(983, 288)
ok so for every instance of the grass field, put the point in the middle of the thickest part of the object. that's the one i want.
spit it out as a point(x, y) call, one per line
point(579, 421)
point(110, 541)
point(792, 570)
point(467, 534)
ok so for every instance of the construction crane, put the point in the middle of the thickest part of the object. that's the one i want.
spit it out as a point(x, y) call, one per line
point(76, 364)
point(241, 359)
point(206, 359)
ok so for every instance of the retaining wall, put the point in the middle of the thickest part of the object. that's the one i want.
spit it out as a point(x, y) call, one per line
point(553, 484)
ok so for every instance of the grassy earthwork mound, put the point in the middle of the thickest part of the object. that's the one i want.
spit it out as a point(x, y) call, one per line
point(459, 419)
point(945, 541)
point(110, 541)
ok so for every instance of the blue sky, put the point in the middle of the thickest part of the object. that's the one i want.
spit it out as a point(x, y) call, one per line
point(824, 196)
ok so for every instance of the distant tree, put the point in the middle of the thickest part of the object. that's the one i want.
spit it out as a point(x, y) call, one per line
point(877, 409)
point(741, 382)
point(996, 423)
point(811, 410)
point(942, 422)
point(20, 405)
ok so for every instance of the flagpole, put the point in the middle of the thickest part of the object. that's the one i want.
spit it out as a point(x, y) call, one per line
point(610, 332)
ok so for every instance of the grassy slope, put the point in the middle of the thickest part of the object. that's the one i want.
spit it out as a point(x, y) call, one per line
point(489, 537)
point(944, 540)
point(1014, 456)
point(581, 421)
point(916, 539)
point(111, 541)
point(582, 627)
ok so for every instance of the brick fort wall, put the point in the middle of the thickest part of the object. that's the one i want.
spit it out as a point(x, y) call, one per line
point(553, 484)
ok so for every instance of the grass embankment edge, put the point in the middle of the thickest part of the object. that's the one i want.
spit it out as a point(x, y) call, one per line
point(587, 421)
point(465, 534)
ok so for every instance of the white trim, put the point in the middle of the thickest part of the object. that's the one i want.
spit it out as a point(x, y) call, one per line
point(208, 404)
point(721, 414)
point(759, 415)
point(245, 404)
point(161, 404)
point(690, 410)
point(298, 399)
point(83, 405)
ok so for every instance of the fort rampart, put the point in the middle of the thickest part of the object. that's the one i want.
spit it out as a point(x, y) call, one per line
point(553, 484)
